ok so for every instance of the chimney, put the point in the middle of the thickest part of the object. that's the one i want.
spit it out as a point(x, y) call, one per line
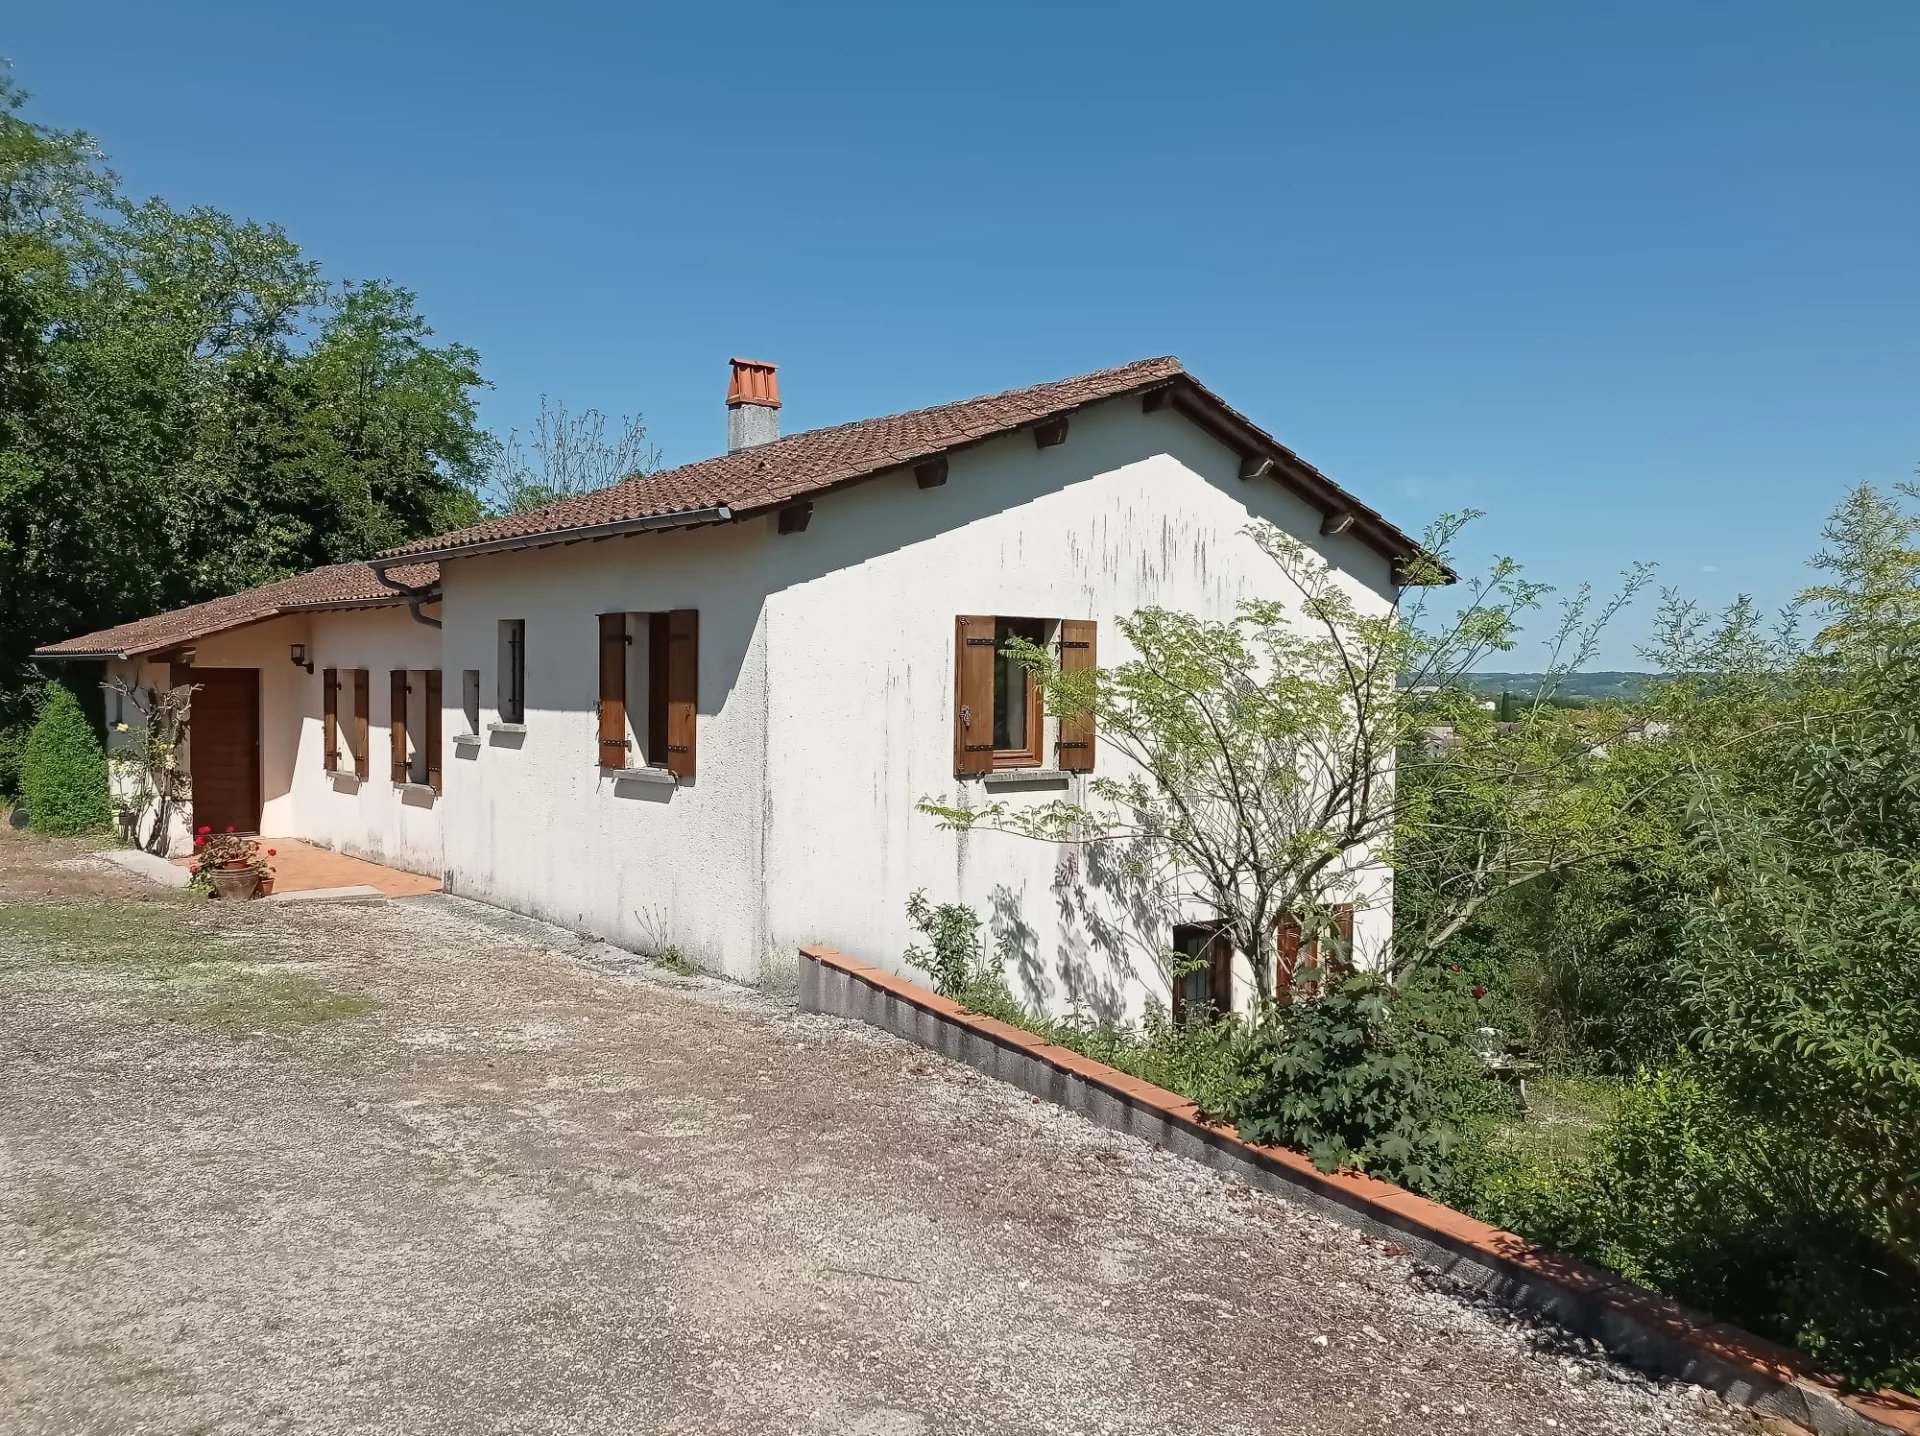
point(753, 405)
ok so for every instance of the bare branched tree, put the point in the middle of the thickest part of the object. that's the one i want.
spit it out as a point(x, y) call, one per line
point(153, 779)
point(569, 454)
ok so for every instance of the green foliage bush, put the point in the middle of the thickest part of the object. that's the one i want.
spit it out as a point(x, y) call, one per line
point(952, 955)
point(1349, 1079)
point(63, 773)
point(1677, 1191)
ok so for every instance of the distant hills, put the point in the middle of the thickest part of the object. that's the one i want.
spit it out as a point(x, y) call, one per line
point(1591, 686)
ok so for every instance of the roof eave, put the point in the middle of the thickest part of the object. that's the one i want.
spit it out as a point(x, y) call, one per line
point(78, 655)
point(684, 518)
point(1203, 407)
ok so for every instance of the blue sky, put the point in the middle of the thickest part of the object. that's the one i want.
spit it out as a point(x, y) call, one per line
point(1638, 279)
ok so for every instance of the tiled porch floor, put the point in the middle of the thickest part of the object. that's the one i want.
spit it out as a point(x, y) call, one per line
point(301, 867)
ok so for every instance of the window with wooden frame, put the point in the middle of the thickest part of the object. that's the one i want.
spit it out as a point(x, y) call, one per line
point(647, 713)
point(1291, 954)
point(1203, 985)
point(999, 713)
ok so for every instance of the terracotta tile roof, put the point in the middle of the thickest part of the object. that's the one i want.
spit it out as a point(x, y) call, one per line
point(756, 479)
point(805, 464)
point(340, 585)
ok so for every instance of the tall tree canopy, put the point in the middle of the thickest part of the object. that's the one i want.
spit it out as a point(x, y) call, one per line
point(188, 406)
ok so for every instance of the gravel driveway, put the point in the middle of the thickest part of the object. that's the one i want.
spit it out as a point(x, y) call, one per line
point(422, 1167)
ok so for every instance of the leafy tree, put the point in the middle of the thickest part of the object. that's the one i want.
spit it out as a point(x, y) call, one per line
point(189, 407)
point(1805, 834)
point(1270, 759)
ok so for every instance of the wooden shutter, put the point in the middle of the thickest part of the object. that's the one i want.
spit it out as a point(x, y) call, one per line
point(397, 722)
point(972, 694)
point(1220, 958)
point(362, 686)
point(330, 717)
point(1341, 962)
point(433, 729)
point(1286, 956)
point(612, 706)
point(1078, 654)
point(683, 690)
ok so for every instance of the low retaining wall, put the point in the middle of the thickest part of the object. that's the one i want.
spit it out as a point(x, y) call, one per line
point(1637, 1325)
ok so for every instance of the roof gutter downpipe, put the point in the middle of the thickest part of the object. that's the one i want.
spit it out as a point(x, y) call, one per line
point(415, 596)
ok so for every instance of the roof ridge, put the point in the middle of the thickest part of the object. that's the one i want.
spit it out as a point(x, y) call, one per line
point(774, 445)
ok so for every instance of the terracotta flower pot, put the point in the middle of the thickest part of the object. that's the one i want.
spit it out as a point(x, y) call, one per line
point(235, 884)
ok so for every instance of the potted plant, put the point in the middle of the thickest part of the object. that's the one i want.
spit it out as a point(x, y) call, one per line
point(230, 864)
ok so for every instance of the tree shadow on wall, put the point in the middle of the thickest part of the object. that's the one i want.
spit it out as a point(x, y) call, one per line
point(1016, 943)
point(1111, 924)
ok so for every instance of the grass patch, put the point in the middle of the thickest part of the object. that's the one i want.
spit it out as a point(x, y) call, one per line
point(1200, 1061)
point(179, 970)
point(241, 1001)
point(673, 960)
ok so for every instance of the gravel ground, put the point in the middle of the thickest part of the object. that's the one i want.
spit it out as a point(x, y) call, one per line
point(544, 1187)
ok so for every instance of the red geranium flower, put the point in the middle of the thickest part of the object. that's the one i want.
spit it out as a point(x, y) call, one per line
point(1479, 991)
point(229, 827)
point(200, 842)
point(204, 828)
point(195, 870)
point(273, 852)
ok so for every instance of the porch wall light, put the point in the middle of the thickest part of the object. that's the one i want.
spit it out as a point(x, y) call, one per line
point(300, 659)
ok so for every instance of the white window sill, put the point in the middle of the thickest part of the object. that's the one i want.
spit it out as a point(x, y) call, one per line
point(1026, 778)
point(468, 739)
point(506, 728)
point(416, 789)
point(642, 775)
point(344, 775)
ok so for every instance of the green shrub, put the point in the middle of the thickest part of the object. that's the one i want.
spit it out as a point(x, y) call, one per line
point(1348, 1078)
point(63, 774)
point(952, 956)
point(1679, 1192)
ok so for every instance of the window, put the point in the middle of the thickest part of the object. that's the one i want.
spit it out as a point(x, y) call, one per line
point(1019, 712)
point(511, 701)
point(1203, 987)
point(470, 699)
point(999, 716)
point(647, 711)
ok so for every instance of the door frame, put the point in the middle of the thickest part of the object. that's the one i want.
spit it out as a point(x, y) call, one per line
point(182, 673)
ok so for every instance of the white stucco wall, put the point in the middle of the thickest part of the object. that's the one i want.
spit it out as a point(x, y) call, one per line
point(1133, 510)
point(825, 711)
point(532, 821)
point(371, 819)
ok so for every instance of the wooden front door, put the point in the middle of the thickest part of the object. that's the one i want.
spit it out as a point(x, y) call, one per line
point(223, 748)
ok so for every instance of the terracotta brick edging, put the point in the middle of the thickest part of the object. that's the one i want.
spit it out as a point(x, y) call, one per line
point(1637, 1325)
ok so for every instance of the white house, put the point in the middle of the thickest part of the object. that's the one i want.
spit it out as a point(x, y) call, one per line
point(699, 708)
